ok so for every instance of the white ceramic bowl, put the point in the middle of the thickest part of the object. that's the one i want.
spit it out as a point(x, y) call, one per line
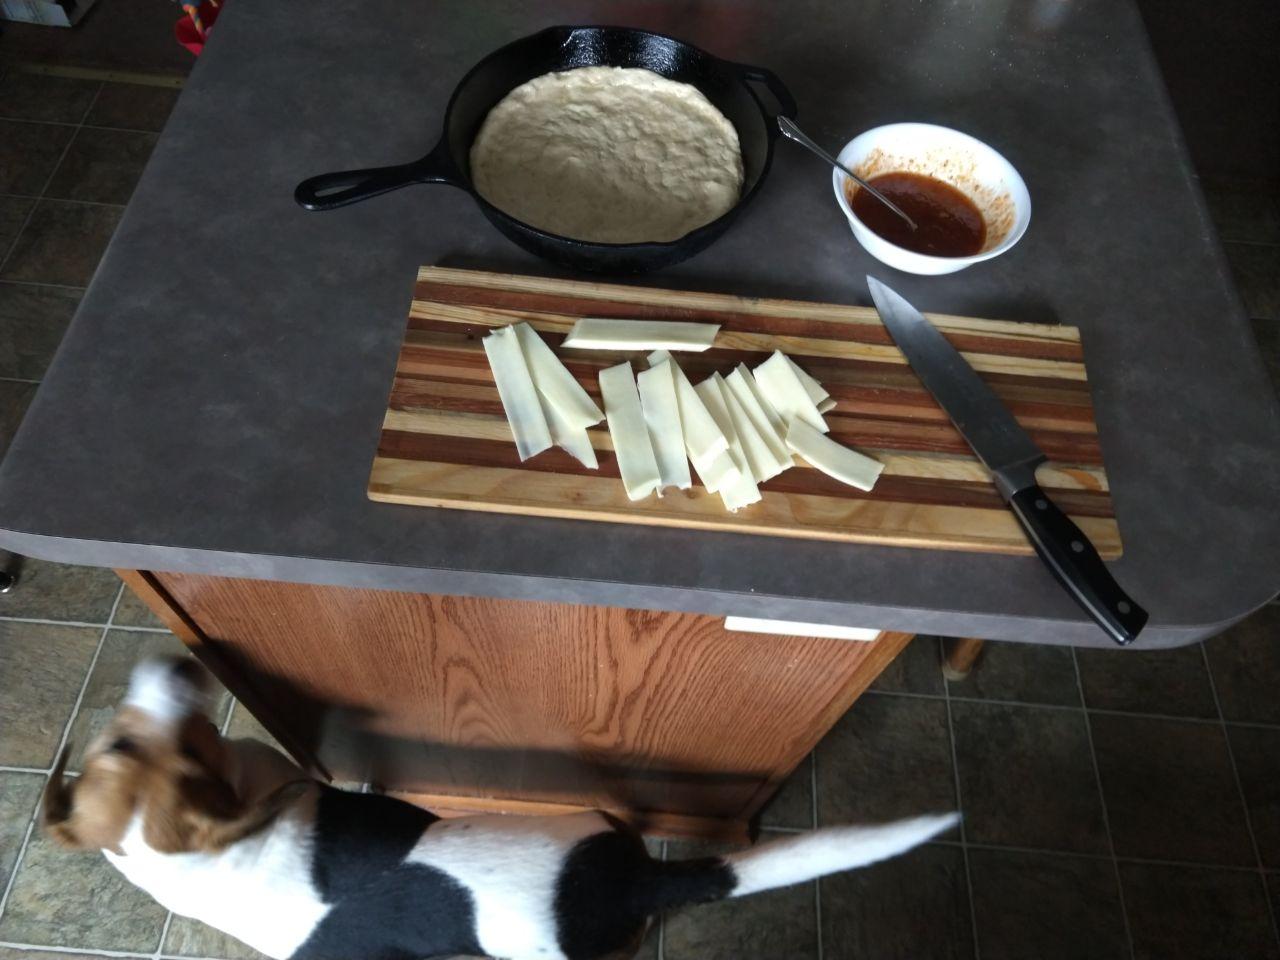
point(971, 166)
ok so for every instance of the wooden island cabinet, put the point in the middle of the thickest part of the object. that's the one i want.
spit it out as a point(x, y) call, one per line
point(467, 704)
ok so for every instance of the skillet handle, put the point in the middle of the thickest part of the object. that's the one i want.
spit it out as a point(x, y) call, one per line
point(775, 86)
point(328, 191)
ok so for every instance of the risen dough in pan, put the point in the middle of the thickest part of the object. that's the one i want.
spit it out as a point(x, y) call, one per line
point(608, 154)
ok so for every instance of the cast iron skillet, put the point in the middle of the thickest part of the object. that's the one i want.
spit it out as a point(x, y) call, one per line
point(727, 85)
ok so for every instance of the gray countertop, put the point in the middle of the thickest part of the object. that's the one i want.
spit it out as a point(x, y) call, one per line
point(216, 403)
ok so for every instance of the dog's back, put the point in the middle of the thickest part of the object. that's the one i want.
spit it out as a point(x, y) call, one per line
point(302, 871)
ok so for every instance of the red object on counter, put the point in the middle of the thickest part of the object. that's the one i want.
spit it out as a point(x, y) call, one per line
point(188, 33)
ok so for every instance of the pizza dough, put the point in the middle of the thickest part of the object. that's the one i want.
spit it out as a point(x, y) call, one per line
point(608, 154)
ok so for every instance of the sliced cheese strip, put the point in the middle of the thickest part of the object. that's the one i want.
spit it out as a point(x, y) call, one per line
point(554, 381)
point(817, 393)
point(515, 388)
point(782, 387)
point(744, 393)
point(716, 471)
point(766, 407)
point(743, 490)
point(847, 466)
point(741, 493)
point(761, 458)
point(702, 437)
point(631, 443)
point(592, 333)
point(574, 441)
point(657, 387)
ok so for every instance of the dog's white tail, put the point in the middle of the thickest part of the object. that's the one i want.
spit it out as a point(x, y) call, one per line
point(805, 856)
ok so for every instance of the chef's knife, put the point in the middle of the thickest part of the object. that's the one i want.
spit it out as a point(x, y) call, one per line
point(1012, 457)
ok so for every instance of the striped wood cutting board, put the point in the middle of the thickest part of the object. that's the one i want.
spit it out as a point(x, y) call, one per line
point(445, 441)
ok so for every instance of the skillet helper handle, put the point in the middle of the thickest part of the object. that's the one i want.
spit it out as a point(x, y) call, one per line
point(763, 75)
point(1076, 564)
point(328, 191)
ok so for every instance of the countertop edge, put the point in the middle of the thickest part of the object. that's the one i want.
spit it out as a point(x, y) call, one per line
point(372, 576)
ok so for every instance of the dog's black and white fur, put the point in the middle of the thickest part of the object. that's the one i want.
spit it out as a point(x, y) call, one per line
point(232, 834)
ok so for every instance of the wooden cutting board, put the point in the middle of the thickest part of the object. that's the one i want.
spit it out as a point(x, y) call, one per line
point(445, 441)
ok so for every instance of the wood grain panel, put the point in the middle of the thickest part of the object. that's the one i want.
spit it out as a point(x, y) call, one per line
point(445, 441)
point(541, 703)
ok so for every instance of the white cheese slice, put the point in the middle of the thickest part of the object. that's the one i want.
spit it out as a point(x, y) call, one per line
point(657, 387)
point(716, 471)
point(631, 443)
point(782, 387)
point(816, 391)
point(703, 439)
point(575, 441)
point(554, 381)
point(742, 491)
point(592, 333)
point(761, 458)
point(847, 466)
point(766, 407)
point(515, 388)
point(739, 382)
point(827, 405)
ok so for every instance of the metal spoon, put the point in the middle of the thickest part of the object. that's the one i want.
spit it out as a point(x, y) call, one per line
point(789, 129)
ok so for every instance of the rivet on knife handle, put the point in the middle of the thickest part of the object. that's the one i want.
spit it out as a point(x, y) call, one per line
point(1076, 564)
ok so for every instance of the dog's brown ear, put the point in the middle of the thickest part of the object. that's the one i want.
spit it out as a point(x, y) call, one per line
point(92, 812)
point(56, 806)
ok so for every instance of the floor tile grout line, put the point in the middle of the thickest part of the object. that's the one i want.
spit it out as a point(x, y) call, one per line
point(164, 935)
point(62, 744)
point(955, 775)
point(1106, 815)
point(87, 203)
point(48, 180)
point(52, 948)
point(41, 283)
point(1244, 801)
point(45, 622)
point(1083, 855)
point(1101, 711)
point(1249, 243)
point(817, 884)
point(86, 126)
point(17, 862)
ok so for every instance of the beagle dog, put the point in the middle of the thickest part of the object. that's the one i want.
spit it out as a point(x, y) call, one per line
point(234, 834)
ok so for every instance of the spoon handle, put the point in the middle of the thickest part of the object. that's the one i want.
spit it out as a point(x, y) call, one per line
point(790, 130)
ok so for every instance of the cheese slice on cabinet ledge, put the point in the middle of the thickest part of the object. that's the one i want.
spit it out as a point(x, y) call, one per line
point(631, 444)
point(847, 466)
point(519, 398)
point(782, 388)
point(657, 387)
point(591, 333)
point(554, 382)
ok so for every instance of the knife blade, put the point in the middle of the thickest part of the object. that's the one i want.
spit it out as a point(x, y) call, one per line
point(1012, 457)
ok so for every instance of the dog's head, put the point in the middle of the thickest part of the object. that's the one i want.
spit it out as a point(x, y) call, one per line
point(160, 763)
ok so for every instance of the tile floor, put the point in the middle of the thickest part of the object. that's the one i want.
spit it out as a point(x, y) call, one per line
point(1116, 804)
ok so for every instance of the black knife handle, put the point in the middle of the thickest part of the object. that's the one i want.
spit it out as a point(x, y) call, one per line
point(1076, 564)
